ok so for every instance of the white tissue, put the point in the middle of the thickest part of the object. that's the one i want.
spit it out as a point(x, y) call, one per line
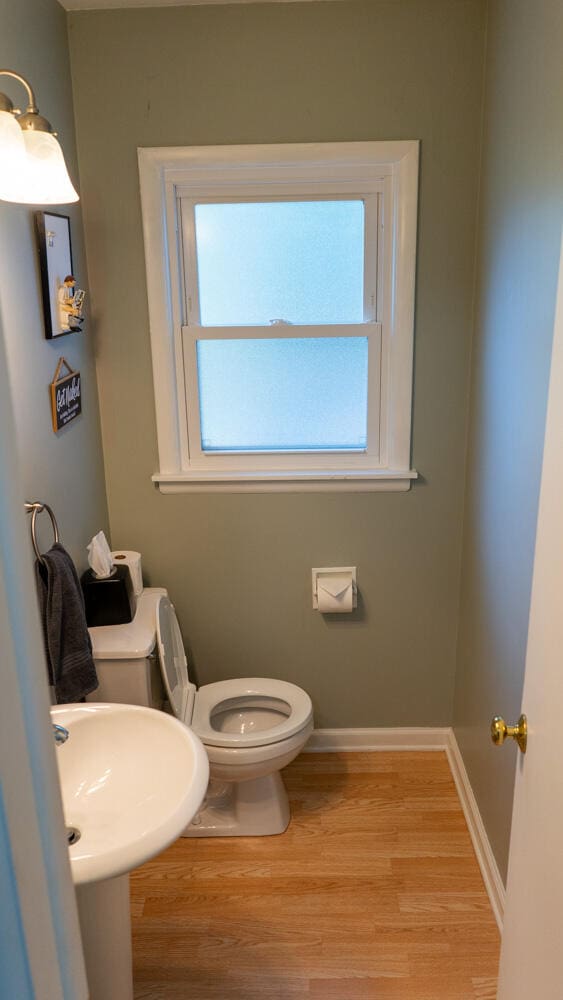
point(334, 589)
point(335, 594)
point(99, 556)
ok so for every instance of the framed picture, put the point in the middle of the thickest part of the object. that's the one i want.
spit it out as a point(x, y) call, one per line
point(62, 300)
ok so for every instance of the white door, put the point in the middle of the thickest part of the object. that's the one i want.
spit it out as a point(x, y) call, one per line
point(40, 947)
point(532, 947)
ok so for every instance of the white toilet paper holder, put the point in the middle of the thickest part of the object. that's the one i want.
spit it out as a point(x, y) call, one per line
point(346, 573)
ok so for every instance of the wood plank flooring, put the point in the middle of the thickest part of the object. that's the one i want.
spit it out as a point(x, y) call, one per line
point(373, 893)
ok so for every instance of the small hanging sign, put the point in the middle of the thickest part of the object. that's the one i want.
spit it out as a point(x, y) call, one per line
point(66, 399)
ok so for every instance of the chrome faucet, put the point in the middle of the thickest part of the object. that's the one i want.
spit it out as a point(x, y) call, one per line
point(60, 733)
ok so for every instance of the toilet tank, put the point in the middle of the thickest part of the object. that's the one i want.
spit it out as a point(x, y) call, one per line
point(126, 657)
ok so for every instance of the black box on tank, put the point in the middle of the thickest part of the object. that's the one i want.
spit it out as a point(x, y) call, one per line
point(108, 600)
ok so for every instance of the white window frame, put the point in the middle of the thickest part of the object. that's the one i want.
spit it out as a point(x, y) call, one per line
point(387, 170)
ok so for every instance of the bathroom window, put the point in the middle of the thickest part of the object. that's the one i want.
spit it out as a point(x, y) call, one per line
point(281, 284)
point(281, 336)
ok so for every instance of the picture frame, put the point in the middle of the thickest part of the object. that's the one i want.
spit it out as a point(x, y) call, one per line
point(55, 264)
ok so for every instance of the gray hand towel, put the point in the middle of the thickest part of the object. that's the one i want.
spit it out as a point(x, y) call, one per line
point(67, 641)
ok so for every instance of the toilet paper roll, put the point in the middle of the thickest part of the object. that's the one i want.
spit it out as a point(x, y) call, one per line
point(335, 594)
point(123, 557)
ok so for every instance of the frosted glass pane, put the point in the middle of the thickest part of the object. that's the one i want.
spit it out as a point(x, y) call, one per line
point(302, 262)
point(287, 394)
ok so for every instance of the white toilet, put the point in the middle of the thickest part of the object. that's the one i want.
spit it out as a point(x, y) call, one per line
point(251, 727)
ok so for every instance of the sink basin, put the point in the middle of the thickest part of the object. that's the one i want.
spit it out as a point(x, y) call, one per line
point(131, 778)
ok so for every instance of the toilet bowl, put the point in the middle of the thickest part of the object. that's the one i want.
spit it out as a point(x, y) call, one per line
point(251, 727)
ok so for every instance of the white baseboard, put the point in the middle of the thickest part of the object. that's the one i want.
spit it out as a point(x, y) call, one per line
point(426, 738)
point(487, 863)
point(334, 740)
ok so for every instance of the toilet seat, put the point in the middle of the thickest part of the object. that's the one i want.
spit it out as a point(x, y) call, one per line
point(264, 700)
point(290, 706)
point(172, 658)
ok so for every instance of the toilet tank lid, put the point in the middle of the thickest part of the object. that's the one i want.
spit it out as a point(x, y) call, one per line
point(135, 639)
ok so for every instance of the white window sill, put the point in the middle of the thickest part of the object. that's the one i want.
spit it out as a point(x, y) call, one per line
point(370, 481)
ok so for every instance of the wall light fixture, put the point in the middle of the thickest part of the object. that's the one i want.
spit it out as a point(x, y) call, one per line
point(32, 166)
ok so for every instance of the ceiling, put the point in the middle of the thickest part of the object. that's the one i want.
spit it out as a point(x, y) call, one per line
point(107, 4)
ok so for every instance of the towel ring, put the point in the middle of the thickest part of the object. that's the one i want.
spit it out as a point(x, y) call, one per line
point(34, 509)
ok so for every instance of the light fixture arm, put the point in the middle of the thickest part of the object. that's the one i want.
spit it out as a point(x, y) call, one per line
point(32, 106)
point(31, 119)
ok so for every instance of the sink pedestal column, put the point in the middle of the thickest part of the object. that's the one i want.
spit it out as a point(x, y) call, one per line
point(105, 922)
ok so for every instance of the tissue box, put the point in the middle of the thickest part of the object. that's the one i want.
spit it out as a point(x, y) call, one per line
point(108, 601)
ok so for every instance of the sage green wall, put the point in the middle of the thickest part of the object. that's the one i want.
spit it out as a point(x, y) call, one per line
point(238, 567)
point(65, 470)
point(520, 233)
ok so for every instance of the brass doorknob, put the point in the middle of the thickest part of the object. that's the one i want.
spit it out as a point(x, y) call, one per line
point(500, 731)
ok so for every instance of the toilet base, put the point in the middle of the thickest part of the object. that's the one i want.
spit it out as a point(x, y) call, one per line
point(255, 808)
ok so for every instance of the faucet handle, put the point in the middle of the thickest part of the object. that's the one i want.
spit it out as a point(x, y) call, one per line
point(60, 733)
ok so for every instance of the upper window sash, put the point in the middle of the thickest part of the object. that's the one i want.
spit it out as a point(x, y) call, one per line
point(372, 255)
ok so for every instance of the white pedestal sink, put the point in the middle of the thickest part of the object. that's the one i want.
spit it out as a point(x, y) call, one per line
point(131, 779)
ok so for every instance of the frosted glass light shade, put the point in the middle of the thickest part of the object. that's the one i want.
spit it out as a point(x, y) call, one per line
point(32, 166)
point(12, 157)
point(46, 177)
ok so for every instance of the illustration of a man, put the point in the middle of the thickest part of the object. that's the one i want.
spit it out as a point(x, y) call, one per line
point(70, 305)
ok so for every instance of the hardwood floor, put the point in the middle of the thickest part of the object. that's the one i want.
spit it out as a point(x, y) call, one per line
point(373, 892)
